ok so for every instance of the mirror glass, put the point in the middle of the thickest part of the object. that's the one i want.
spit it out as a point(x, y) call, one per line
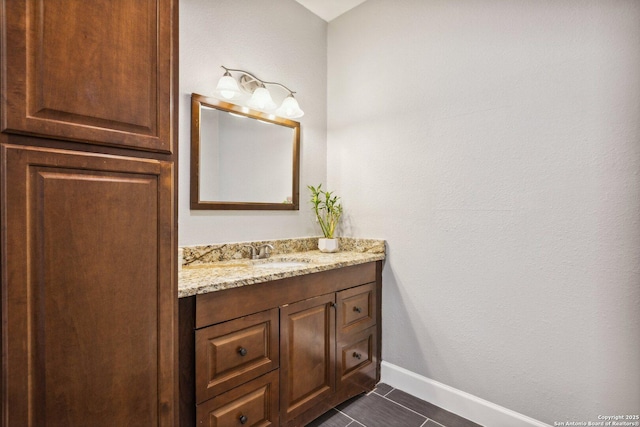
point(241, 158)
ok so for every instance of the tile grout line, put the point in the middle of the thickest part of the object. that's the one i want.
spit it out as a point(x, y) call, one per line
point(402, 406)
point(352, 419)
point(383, 395)
point(409, 409)
point(434, 421)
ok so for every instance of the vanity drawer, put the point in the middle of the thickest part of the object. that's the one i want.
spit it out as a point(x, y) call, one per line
point(231, 353)
point(356, 362)
point(252, 404)
point(356, 309)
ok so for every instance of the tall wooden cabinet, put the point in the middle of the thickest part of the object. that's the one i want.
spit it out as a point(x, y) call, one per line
point(88, 213)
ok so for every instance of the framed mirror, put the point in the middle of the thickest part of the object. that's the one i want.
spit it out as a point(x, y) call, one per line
point(241, 158)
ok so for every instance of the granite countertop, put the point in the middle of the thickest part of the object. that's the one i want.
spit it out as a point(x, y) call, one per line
point(232, 272)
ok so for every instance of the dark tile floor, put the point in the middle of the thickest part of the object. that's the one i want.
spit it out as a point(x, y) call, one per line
point(389, 407)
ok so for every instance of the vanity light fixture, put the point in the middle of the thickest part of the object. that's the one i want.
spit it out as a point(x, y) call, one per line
point(228, 89)
point(261, 100)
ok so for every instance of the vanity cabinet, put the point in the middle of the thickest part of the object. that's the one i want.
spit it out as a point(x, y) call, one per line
point(302, 345)
point(88, 213)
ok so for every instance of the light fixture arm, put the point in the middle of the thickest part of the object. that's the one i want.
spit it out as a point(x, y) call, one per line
point(262, 82)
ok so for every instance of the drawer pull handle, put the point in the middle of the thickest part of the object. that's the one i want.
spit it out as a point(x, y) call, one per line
point(357, 355)
point(243, 419)
point(243, 352)
point(357, 309)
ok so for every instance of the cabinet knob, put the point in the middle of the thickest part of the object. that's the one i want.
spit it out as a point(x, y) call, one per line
point(243, 419)
point(357, 309)
point(357, 355)
point(243, 352)
point(332, 304)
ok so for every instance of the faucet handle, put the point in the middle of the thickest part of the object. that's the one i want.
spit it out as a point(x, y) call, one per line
point(253, 251)
point(265, 250)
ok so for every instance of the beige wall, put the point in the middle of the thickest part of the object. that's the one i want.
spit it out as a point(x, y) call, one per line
point(495, 145)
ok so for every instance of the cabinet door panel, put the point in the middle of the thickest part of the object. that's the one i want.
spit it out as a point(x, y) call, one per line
point(87, 289)
point(307, 339)
point(97, 71)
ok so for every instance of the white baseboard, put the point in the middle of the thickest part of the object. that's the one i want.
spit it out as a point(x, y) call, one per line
point(453, 400)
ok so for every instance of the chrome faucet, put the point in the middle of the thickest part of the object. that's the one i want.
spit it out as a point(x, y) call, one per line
point(263, 251)
point(253, 251)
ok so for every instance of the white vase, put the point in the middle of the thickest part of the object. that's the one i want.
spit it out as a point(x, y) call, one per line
point(328, 245)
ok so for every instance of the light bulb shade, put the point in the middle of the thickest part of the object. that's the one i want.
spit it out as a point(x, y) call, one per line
point(227, 87)
point(290, 108)
point(261, 100)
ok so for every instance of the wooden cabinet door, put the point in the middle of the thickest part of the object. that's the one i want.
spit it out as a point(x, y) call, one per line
point(88, 299)
point(307, 354)
point(99, 71)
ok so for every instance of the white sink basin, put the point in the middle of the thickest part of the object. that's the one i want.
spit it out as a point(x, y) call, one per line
point(282, 264)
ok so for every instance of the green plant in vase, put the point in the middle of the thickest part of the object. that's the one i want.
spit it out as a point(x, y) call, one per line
point(328, 211)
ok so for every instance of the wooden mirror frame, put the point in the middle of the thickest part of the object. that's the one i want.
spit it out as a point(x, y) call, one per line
point(196, 104)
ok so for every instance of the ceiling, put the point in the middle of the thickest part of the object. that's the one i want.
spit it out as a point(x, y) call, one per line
point(329, 9)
